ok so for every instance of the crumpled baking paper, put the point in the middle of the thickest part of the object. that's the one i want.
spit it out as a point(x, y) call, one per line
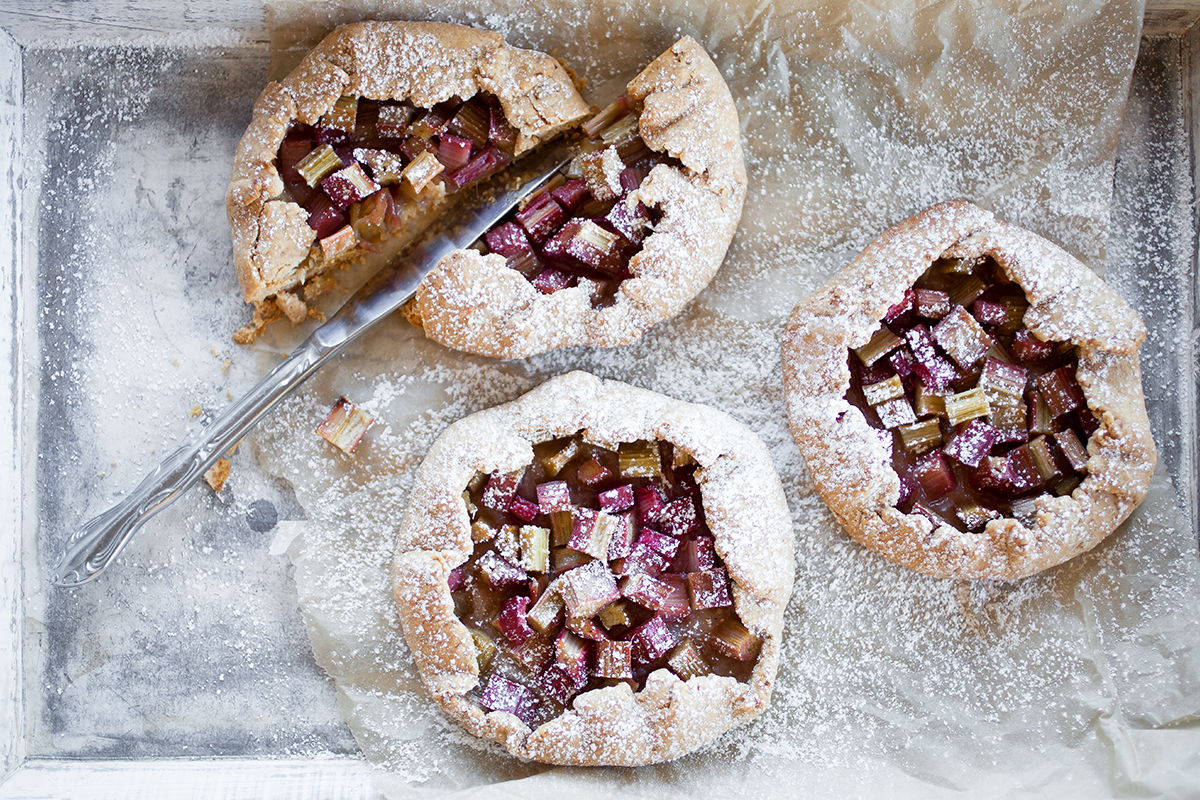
point(1083, 680)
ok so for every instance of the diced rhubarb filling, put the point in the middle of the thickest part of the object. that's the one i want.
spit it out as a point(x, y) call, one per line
point(593, 567)
point(366, 158)
point(979, 415)
point(585, 224)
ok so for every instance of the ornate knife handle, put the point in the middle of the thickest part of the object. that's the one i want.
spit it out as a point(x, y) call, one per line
point(94, 545)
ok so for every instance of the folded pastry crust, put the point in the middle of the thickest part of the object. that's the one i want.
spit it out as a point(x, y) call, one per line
point(745, 509)
point(423, 62)
point(1068, 303)
point(475, 303)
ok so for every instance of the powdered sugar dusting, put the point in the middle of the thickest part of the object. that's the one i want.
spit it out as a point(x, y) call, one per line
point(193, 646)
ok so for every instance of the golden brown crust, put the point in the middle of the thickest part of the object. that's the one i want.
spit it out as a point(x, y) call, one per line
point(474, 303)
point(1067, 303)
point(425, 62)
point(744, 507)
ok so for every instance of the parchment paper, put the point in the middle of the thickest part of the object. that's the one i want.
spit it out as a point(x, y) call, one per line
point(1082, 681)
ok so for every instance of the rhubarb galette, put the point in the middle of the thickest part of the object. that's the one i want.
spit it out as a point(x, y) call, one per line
point(373, 130)
point(968, 398)
point(595, 574)
point(638, 227)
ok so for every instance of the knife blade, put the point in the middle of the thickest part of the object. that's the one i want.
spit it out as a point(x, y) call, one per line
point(95, 544)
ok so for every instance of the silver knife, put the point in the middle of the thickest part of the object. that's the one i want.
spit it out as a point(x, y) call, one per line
point(94, 545)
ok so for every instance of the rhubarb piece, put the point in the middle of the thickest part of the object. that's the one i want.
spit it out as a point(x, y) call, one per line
point(660, 543)
point(522, 509)
point(571, 194)
point(348, 185)
point(554, 462)
point(1022, 467)
point(882, 342)
point(1060, 391)
point(618, 615)
point(961, 337)
point(623, 537)
point(472, 121)
point(1067, 484)
point(369, 218)
point(591, 532)
point(546, 612)
point(500, 490)
point(592, 472)
point(933, 370)
point(650, 502)
point(971, 443)
point(901, 362)
point(733, 640)
point(572, 654)
point(1003, 384)
point(988, 312)
point(562, 523)
point(967, 290)
point(420, 172)
point(1075, 453)
point(456, 578)
point(557, 685)
point(901, 308)
point(454, 151)
point(1029, 349)
point(485, 650)
point(616, 500)
point(484, 164)
point(921, 437)
point(587, 628)
point(393, 120)
point(931, 304)
point(966, 405)
point(644, 590)
point(323, 217)
point(1043, 459)
point(342, 241)
point(587, 244)
point(974, 516)
point(686, 662)
point(696, 555)
point(501, 694)
point(291, 153)
point(1010, 424)
point(890, 389)
point(933, 474)
point(652, 640)
point(551, 280)
point(510, 240)
point(895, 413)
point(541, 217)
point(614, 111)
point(498, 572)
point(677, 518)
point(614, 660)
point(563, 559)
point(640, 460)
point(1040, 418)
point(535, 548)
point(345, 425)
point(343, 115)
point(512, 621)
point(630, 219)
point(929, 402)
point(554, 496)
point(708, 589)
point(588, 589)
point(677, 604)
point(318, 164)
